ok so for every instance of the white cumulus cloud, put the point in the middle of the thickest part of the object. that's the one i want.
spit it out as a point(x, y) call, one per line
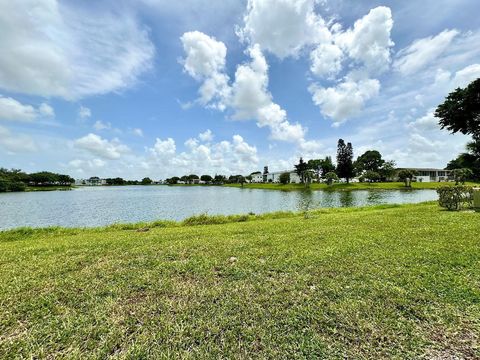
point(283, 27)
point(53, 49)
point(14, 110)
point(369, 40)
point(226, 157)
point(205, 62)
point(206, 135)
point(100, 147)
point(346, 99)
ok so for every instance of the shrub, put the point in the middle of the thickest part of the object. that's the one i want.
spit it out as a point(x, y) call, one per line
point(455, 197)
point(285, 178)
point(372, 176)
point(330, 177)
point(461, 175)
point(205, 219)
point(407, 176)
point(17, 186)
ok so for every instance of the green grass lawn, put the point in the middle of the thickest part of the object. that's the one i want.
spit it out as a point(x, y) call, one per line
point(381, 282)
point(351, 186)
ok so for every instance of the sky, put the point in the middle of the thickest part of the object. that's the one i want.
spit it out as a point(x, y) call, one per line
point(160, 88)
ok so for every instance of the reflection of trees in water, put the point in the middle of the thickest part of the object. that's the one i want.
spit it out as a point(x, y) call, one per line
point(329, 198)
point(374, 197)
point(305, 200)
point(346, 198)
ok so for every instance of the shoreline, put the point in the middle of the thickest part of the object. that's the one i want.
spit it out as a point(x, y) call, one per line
point(206, 219)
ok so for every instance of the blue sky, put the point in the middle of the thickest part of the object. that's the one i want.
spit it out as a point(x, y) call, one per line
point(162, 88)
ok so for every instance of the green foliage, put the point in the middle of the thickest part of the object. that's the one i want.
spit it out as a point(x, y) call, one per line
point(370, 160)
point(17, 186)
point(462, 175)
point(455, 197)
point(115, 181)
point(146, 181)
point(173, 180)
point(17, 180)
point(460, 112)
point(285, 178)
point(206, 178)
point(469, 160)
point(236, 179)
point(372, 176)
point(219, 179)
point(387, 170)
point(205, 219)
point(345, 167)
point(330, 177)
point(407, 175)
point(301, 169)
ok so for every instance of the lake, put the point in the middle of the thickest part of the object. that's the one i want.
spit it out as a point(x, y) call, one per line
point(97, 206)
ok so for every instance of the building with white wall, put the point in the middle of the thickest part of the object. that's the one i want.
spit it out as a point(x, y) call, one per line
point(274, 177)
point(431, 174)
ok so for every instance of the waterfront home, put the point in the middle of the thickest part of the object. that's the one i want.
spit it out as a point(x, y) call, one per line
point(274, 177)
point(431, 174)
point(257, 178)
point(93, 181)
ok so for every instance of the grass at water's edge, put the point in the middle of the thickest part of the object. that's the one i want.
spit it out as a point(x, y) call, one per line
point(382, 282)
point(195, 220)
point(351, 186)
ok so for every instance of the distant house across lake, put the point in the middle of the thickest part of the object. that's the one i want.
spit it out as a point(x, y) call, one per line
point(274, 177)
point(93, 181)
point(432, 175)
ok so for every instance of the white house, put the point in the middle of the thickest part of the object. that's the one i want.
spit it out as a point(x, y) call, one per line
point(257, 178)
point(431, 174)
point(93, 181)
point(274, 177)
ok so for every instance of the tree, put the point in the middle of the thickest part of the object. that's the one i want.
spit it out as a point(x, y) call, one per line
point(173, 180)
point(462, 175)
point(285, 178)
point(314, 165)
point(330, 177)
point(191, 178)
point(146, 181)
point(387, 170)
point(301, 169)
point(372, 176)
point(460, 112)
point(370, 160)
point(219, 179)
point(326, 165)
point(406, 175)
point(345, 160)
point(115, 181)
point(206, 178)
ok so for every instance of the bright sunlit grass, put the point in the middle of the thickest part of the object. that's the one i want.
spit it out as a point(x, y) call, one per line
point(382, 282)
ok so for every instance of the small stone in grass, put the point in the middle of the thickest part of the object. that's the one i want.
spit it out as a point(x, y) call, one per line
point(233, 259)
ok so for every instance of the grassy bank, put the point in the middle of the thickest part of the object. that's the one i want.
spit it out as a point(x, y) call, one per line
point(49, 188)
point(381, 282)
point(352, 186)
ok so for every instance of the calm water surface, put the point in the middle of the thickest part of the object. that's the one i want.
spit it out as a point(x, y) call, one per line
point(96, 206)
